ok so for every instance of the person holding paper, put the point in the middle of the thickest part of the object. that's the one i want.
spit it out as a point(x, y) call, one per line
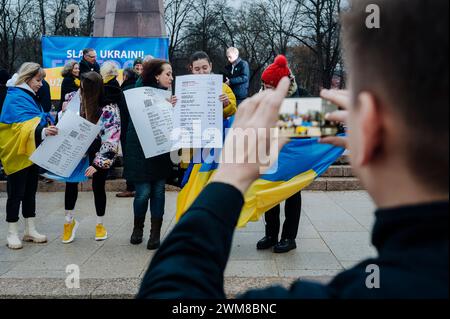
point(23, 126)
point(148, 175)
point(102, 153)
point(200, 63)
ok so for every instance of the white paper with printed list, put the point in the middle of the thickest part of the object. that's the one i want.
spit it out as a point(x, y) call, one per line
point(199, 112)
point(152, 116)
point(62, 153)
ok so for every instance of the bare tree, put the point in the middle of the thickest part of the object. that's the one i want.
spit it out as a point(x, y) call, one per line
point(319, 31)
point(177, 16)
point(11, 18)
point(279, 18)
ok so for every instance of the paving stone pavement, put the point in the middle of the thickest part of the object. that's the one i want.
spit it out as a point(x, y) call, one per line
point(334, 235)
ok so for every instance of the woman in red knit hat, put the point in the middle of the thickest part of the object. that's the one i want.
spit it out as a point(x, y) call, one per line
point(270, 79)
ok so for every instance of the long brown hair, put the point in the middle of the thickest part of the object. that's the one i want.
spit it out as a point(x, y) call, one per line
point(92, 96)
point(151, 70)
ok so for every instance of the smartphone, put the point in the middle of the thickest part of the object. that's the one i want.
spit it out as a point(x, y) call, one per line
point(305, 118)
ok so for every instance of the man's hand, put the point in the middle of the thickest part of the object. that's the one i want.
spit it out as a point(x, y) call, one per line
point(90, 171)
point(51, 131)
point(259, 114)
point(225, 100)
point(340, 98)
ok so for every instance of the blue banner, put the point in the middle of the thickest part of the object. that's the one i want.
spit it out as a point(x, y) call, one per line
point(57, 51)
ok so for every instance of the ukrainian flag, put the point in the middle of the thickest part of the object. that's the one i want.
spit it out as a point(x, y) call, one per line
point(300, 162)
point(19, 119)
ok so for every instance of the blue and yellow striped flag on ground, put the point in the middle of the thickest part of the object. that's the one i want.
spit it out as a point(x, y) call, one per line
point(300, 162)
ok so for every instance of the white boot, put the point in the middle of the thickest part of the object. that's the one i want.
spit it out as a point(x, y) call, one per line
point(13, 236)
point(31, 234)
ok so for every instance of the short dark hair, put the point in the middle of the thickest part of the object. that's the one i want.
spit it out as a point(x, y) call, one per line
point(404, 63)
point(87, 50)
point(199, 55)
point(152, 69)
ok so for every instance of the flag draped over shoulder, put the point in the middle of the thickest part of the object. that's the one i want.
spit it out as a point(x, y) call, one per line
point(300, 162)
point(19, 119)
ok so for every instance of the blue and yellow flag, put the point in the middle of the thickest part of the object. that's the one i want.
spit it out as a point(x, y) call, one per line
point(300, 162)
point(19, 119)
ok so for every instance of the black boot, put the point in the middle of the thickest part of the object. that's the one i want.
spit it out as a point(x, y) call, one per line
point(284, 246)
point(266, 243)
point(155, 233)
point(138, 230)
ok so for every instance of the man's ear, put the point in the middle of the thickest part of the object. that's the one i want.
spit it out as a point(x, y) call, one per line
point(370, 122)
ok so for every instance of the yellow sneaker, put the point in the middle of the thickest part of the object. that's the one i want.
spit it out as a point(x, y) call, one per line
point(69, 232)
point(100, 232)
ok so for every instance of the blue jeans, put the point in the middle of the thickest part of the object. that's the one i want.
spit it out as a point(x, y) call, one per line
point(153, 191)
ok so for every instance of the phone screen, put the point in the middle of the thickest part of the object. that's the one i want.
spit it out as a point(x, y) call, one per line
point(305, 118)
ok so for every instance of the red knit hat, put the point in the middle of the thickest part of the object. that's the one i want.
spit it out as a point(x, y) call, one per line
point(276, 71)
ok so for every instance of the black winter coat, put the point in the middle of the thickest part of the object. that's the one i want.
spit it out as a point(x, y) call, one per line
point(44, 96)
point(85, 67)
point(67, 86)
point(114, 94)
point(138, 169)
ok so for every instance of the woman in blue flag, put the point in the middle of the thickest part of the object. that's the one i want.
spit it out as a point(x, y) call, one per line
point(271, 76)
point(23, 126)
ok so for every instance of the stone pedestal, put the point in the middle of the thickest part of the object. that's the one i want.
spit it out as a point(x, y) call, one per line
point(129, 18)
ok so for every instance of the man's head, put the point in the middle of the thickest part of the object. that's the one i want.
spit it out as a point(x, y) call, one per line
point(232, 55)
point(398, 76)
point(90, 55)
point(138, 66)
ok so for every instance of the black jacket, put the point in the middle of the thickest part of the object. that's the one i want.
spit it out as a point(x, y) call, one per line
point(239, 79)
point(67, 86)
point(412, 244)
point(114, 94)
point(3, 92)
point(138, 169)
point(85, 67)
point(44, 96)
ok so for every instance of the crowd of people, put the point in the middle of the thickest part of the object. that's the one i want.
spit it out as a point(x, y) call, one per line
point(393, 129)
point(103, 103)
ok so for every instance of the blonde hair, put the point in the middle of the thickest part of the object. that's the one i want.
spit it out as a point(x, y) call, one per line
point(233, 50)
point(109, 69)
point(29, 70)
point(68, 68)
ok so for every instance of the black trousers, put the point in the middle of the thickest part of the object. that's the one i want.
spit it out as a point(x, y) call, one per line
point(292, 210)
point(130, 187)
point(21, 188)
point(98, 187)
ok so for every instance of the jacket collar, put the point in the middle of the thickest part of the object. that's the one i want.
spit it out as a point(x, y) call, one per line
point(397, 226)
point(26, 87)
